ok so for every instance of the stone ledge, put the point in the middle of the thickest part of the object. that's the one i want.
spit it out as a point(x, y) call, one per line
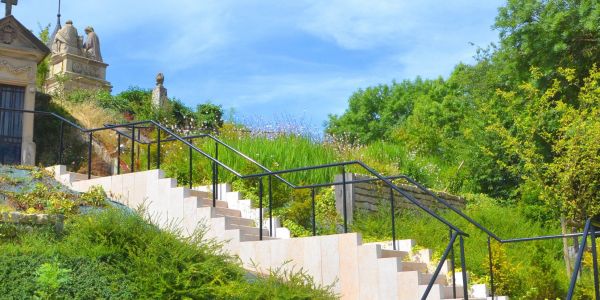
point(19, 218)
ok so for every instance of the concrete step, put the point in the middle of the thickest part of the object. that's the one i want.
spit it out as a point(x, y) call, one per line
point(239, 222)
point(215, 212)
point(251, 238)
point(393, 253)
point(413, 266)
point(250, 230)
point(425, 278)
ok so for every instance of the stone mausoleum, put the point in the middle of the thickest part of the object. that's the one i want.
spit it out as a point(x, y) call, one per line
point(20, 54)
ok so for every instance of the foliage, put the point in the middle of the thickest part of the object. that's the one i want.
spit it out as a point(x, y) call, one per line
point(117, 254)
point(538, 264)
point(209, 116)
point(43, 67)
point(51, 277)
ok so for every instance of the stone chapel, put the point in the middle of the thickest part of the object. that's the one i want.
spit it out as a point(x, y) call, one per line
point(20, 54)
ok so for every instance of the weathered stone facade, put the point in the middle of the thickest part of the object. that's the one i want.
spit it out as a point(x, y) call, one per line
point(20, 53)
point(368, 195)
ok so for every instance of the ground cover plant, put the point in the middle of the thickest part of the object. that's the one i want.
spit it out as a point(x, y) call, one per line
point(113, 253)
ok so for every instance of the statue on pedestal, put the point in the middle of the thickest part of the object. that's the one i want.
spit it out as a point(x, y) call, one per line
point(67, 40)
point(92, 45)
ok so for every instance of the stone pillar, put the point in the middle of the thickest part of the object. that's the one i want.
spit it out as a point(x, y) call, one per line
point(159, 94)
point(339, 199)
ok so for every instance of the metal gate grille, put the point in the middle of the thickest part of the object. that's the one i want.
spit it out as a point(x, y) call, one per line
point(11, 124)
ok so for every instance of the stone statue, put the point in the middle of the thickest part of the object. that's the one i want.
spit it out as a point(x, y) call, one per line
point(92, 45)
point(67, 40)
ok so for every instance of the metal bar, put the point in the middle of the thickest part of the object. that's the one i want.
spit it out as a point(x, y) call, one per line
point(214, 184)
point(270, 206)
point(492, 288)
point(132, 149)
point(331, 165)
point(118, 153)
point(314, 214)
point(61, 145)
point(578, 260)
point(217, 170)
point(595, 262)
point(439, 266)
point(158, 148)
point(260, 209)
point(344, 199)
point(453, 267)
point(393, 209)
point(463, 265)
point(445, 203)
point(546, 237)
point(90, 156)
point(191, 175)
point(148, 157)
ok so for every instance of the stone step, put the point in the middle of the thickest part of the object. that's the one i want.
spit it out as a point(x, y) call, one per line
point(425, 278)
point(250, 230)
point(393, 253)
point(215, 212)
point(413, 266)
point(239, 221)
point(251, 238)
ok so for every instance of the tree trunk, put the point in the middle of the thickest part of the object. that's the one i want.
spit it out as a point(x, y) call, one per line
point(567, 257)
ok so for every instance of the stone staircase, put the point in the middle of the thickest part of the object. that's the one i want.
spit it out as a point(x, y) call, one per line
point(355, 270)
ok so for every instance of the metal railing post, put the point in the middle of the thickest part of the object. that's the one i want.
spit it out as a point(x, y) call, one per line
point(217, 169)
point(463, 265)
point(90, 156)
point(214, 184)
point(314, 214)
point(148, 156)
point(191, 161)
point(393, 209)
point(453, 267)
point(118, 153)
point(595, 262)
point(578, 260)
point(61, 145)
point(344, 199)
point(158, 148)
point(270, 206)
point(132, 149)
point(439, 266)
point(489, 244)
point(260, 208)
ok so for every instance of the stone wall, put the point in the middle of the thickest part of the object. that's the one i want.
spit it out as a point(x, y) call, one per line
point(19, 218)
point(368, 196)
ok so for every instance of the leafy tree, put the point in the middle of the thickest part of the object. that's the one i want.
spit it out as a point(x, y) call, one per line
point(548, 34)
point(209, 116)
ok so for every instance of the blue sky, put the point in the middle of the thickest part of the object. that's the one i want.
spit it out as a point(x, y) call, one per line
point(271, 59)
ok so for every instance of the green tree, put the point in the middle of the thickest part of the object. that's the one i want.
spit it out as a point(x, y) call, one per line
point(548, 34)
point(209, 116)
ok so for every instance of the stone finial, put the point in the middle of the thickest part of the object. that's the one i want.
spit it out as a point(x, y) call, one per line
point(159, 94)
point(160, 79)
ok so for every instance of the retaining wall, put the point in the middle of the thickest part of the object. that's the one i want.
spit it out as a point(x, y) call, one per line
point(369, 195)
